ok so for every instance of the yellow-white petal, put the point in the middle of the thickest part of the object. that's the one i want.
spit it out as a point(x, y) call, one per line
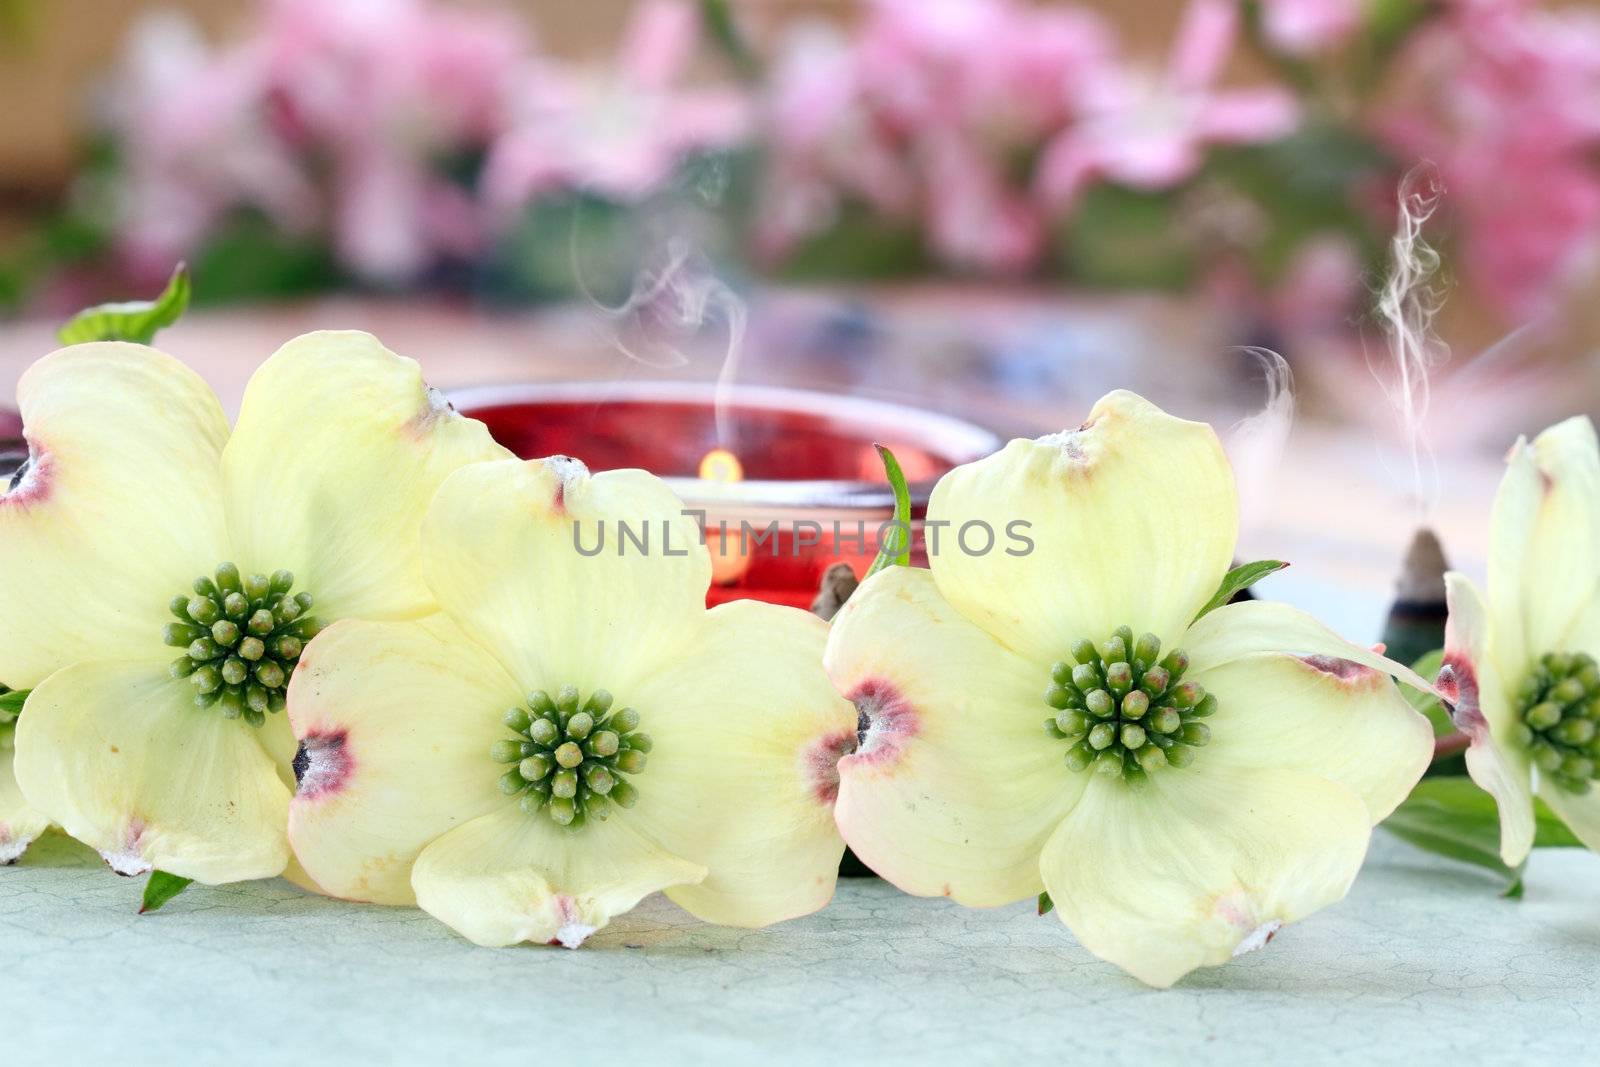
point(742, 778)
point(118, 755)
point(339, 448)
point(501, 553)
point(1327, 717)
point(509, 877)
point(19, 824)
point(1132, 519)
point(1544, 570)
point(395, 722)
point(1201, 865)
point(1472, 683)
point(117, 513)
point(956, 786)
point(1237, 630)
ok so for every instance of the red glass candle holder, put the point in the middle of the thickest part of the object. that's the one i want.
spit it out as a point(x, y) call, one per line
point(787, 480)
point(13, 447)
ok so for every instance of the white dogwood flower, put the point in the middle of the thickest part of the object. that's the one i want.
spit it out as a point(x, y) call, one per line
point(1196, 784)
point(305, 513)
point(1520, 663)
point(575, 730)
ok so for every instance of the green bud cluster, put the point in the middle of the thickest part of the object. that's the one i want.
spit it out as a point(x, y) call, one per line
point(1560, 720)
point(1124, 709)
point(572, 756)
point(242, 637)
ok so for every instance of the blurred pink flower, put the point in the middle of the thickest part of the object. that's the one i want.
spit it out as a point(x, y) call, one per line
point(1305, 27)
point(928, 115)
point(335, 114)
point(993, 66)
point(975, 218)
point(388, 90)
point(1507, 105)
point(619, 132)
point(1150, 132)
point(194, 145)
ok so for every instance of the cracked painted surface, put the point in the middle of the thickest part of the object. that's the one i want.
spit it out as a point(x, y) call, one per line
point(1423, 961)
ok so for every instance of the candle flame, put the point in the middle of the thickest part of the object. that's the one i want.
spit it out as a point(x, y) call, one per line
point(720, 465)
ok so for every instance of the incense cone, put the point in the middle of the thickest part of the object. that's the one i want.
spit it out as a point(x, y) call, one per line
point(837, 585)
point(1416, 620)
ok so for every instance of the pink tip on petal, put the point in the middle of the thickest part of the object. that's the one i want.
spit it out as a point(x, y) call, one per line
point(322, 765)
point(573, 931)
point(1353, 675)
point(1259, 937)
point(566, 470)
point(436, 408)
point(31, 483)
point(127, 859)
point(11, 848)
point(1458, 684)
point(1239, 910)
point(885, 721)
point(820, 762)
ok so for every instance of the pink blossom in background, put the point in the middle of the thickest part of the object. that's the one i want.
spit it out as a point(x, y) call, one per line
point(999, 67)
point(332, 114)
point(977, 219)
point(1506, 102)
point(928, 115)
point(1305, 27)
point(620, 132)
point(195, 145)
point(824, 146)
point(364, 119)
point(1149, 131)
point(387, 90)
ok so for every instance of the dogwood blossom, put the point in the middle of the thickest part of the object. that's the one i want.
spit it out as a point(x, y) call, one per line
point(1520, 662)
point(1196, 783)
point(304, 514)
point(575, 730)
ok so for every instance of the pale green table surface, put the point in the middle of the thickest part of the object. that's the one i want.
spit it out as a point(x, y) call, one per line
point(1423, 963)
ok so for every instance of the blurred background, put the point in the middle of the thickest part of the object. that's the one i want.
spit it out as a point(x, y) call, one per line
point(994, 208)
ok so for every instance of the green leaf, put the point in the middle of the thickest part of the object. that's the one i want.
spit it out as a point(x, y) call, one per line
point(250, 258)
point(1124, 238)
point(1453, 817)
point(717, 17)
point(1046, 905)
point(896, 547)
point(138, 320)
point(11, 700)
point(161, 888)
point(1548, 829)
point(1240, 578)
point(1430, 705)
point(860, 246)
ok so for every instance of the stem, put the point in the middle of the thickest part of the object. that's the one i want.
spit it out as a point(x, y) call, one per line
point(1450, 745)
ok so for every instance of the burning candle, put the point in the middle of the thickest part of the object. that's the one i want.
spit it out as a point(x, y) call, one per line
point(785, 483)
point(728, 559)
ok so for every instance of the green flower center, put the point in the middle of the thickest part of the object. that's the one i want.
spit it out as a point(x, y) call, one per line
point(572, 756)
point(241, 638)
point(1125, 709)
point(1560, 719)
